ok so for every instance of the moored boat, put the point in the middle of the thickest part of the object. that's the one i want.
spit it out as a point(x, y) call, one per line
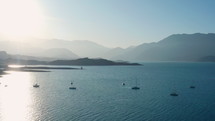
point(72, 88)
point(36, 85)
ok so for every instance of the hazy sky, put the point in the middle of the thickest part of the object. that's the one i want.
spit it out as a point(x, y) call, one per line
point(119, 22)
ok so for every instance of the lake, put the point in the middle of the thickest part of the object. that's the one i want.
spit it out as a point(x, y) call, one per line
point(100, 95)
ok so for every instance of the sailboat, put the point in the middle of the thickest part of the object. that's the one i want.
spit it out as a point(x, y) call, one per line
point(174, 90)
point(173, 94)
point(192, 86)
point(36, 85)
point(72, 86)
point(135, 87)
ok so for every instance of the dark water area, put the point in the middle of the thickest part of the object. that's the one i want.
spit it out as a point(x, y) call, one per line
point(100, 95)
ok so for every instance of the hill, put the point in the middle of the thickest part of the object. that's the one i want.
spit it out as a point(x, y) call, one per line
point(178, 47)
point(59, 53)
point(207, 59)
point(49, 47)
point(89, 62)
point(7, 59)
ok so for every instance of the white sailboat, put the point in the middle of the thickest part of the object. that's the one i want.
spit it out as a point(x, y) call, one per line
point(36, 85)
point(135, 87)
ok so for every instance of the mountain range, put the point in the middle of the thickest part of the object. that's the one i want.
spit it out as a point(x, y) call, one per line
point(177, 47)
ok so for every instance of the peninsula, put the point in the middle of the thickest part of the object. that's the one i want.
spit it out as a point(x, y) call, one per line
point(76, 62)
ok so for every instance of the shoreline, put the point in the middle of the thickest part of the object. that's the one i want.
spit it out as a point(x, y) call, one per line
point(2, 73)
point(39, 69)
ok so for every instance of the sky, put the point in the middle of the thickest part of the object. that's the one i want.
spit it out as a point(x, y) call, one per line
point(112, 23)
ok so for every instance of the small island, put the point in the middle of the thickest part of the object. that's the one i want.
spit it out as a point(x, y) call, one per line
point(32, 65)
point(76, 62)
point(90, 62)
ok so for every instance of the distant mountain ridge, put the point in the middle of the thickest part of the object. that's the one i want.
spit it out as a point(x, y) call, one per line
point(82, 48)
point(38, 47)
point(3, 55)
point(207, 59)
point(60, 53)
point(176, 47)
point(12, 60)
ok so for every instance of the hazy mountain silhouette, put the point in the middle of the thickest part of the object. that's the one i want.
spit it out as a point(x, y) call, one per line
point(178, 47)
point(117, 52)
point(59, 53)
point(38, 47)
point(7, 59)
point(207, 59)
point(3, 55)
point(113, 52)
point(20, 48)
point(82, 48)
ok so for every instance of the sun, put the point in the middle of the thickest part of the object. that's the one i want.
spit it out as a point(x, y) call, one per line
point(20, 18)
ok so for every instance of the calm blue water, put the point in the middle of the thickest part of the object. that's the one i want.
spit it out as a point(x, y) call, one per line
point(100, 95)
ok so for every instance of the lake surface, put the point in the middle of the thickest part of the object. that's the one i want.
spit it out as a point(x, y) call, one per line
point(100, 95)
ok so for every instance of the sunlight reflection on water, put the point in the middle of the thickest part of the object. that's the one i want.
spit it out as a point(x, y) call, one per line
point(15, 98)
point(100, 95)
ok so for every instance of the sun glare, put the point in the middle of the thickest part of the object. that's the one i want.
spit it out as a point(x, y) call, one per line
point(15, 96)
point(20, 18)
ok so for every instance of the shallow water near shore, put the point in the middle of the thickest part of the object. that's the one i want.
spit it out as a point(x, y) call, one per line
point(100, 95)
